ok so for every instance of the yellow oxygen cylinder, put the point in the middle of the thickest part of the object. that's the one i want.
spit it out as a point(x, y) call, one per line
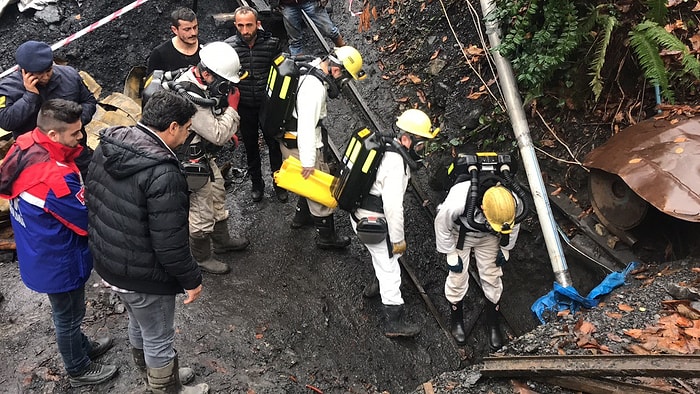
point(317, 187)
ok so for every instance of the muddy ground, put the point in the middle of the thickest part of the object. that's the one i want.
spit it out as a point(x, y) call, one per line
point(290, 318)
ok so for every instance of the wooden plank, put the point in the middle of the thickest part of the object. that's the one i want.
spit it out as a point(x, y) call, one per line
point(599, 386)
point(681, 366)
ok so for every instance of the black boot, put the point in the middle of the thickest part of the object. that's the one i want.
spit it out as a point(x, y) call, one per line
point(457, 323)
point(372, 289)
point(258, 190)
point(186, 374)
point(302, 216)
point(494, 327)
point(166, 380)
point(327, 237)
point(201, 251)
point(222, 241)
point(395, 325)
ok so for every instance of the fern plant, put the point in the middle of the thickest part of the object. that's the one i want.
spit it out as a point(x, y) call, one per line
point(646, 39)
point(600, 50)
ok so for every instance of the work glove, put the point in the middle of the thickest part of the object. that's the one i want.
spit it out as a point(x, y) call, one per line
point(234, 96)
point(454, 262)
point(399, 247)
point(502, 257)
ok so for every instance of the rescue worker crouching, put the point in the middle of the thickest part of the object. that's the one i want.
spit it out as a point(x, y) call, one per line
point(384, 207)
point(308, 141)
point(209, 86)
point(456, 237)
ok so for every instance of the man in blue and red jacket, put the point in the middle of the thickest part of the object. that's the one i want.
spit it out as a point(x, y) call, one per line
point(49, 219)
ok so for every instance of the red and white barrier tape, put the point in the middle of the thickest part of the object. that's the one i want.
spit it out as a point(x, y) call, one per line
point(75, 36)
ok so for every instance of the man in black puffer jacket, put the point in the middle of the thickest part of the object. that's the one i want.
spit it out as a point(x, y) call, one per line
point(138, 231)
point(256, 49)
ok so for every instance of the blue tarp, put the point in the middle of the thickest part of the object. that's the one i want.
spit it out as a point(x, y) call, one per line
point(562, 298)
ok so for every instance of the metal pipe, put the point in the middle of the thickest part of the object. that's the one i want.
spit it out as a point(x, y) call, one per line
point(521, 130)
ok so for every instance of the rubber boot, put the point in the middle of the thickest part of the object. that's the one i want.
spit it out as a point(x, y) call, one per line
point(223, 243)
point(257, 190)
point(339, 42)
point(186, 374)
point(201, 251)
point(457, 323)
point(327, 237)
point(493, 325)
point(166, 380)
point(372, 289)
point(395, 325)
point(302, 216)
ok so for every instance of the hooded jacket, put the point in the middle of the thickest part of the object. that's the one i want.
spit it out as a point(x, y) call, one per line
point(48, 213)
point(138, 214)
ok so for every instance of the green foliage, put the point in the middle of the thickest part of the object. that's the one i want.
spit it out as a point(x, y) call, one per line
point(657, 11)
point(646, 39)
point(546, 40)
point(601, 47)
point(540, 36)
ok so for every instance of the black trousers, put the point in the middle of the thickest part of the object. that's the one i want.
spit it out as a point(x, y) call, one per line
point(250, 132)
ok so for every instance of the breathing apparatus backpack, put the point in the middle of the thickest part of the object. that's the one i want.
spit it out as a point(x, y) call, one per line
point(359, 166)
point(276, 111)
point(484, 170)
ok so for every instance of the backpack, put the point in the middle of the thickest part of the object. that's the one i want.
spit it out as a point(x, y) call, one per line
point(275, 115)
point(359, 168)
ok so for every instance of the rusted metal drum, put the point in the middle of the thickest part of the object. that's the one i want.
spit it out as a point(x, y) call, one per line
point(614, 201)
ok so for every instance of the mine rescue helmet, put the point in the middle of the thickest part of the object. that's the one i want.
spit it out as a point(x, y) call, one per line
point(499, 208)
point(350, 59)
point(221, 59)
point(417, 124)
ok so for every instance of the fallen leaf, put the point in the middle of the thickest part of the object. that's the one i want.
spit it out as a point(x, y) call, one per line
point(625, 308)
point(635, 333)
point(613, 315)
point(614, 337)
point(435, 54)
point(414, 78)
point(402, 100)
point(556, 192)
point(421, 96)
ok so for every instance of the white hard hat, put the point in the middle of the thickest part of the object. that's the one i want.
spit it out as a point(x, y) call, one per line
point(221, 59)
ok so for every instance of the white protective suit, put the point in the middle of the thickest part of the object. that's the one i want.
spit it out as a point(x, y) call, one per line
point(390, 184)
point(485, 245)
point(207, 205)
point(310, 108)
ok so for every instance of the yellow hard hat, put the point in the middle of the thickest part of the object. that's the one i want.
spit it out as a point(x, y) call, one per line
point(416, 122)
point(499, 208)
point(350, 59)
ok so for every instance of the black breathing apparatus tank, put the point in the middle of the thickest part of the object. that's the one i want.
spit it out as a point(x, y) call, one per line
point(280, 97)
point(359, 168)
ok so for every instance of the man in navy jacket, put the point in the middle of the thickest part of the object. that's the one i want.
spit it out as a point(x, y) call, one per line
point(39, 80)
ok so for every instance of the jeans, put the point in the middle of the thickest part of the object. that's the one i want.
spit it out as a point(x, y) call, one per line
point(151, 326)
point(294, 23)
point(68, 311)
point(250, 133)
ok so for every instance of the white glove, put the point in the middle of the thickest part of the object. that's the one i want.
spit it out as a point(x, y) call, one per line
point(454, 262)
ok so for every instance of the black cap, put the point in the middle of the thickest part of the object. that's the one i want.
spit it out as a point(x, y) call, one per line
point(34, 56)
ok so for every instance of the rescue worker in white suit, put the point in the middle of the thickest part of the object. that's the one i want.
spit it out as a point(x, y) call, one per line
point(455, 237)
point(211, 81)
point(385, 202)
point(306, 142)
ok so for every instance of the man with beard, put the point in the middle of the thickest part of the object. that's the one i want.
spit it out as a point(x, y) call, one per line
point(256, 49)
point(183, 49)
point(38, 80)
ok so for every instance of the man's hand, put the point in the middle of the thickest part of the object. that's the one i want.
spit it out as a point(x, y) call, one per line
point(235, 140)
point(399, 247)
point(30, 81)
point(306, 172)
point(193, 294)
point(454, 262)
point(234, 96)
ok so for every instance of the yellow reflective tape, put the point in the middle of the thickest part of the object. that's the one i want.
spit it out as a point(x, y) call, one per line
point(355, 152)
point(148, 81)
point(363, 133)
point(370, 159)
point(450, 168)
point(285, 87)
point(485, 154)
point(351, 144)
point(278, 60)
point(2, 101)
point(272, 77)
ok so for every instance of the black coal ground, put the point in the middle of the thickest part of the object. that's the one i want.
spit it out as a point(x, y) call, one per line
point(288, 315)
